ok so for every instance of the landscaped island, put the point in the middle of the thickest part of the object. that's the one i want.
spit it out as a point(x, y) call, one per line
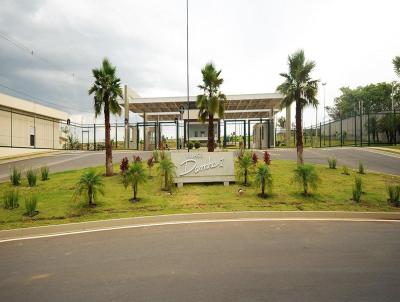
point(56, 203)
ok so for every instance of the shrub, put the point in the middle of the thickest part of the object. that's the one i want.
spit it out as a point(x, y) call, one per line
point(190, 145)
point(31, 205)
point(31, 175)
point(361, 168)
point(264, 179)
point(332, 163)
point(197, 144)
point(166, 171)
point(11, 199)
point(345, 170)
point(245, 162)
point(306, 176)
point(254, 157)
point(150, 164)
point(393, 194)
point(15, 176)
point(90, 184)
point(267, 158)
point(135, 175)
point(44, 172)
point(357, 189)
point(156, 156)
point(137, 159)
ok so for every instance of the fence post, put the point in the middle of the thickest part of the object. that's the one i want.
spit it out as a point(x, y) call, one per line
point(177, 134)
point(395, 130)
point(94, 136)
point(244, 134)
point(369, 130)
point(355, 128)
point(320, 135)
point(137, 137)
point(341, 131)
point(224, 143)
point(330, 134)
point(361, 134)
point(116, 135)
point(11, 127)
point(248, 134)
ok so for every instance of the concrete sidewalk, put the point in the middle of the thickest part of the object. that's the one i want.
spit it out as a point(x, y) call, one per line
point(148, 221)
point(22, 153)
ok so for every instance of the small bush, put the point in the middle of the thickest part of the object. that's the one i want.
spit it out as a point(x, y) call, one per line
point(156, 156)
point(264, 179)
point(267, 158)
point(306, 176)
point(15, 176)
point(123, 166)
point(245, 163)
point(394, 194)
point(345, 170)
point(332, 163)
point(190, 145)
point(361, 168)
point(44, 172)
point(197, 144)
point(31, 205)
point(10, 199)
point(31, 177)
point(357, 189)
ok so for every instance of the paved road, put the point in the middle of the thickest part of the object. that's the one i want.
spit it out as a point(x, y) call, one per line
point(373, 160)
point(231, 261)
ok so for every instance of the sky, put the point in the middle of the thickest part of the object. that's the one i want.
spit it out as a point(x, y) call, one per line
point(48, 48)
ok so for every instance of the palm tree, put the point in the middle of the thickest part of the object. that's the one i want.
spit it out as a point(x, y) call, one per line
point(106, 90)
point(298, 87)
point(212, 101)
point(396, 63)
point(134, 176)
point(90, 184)
point(264, 178)
point(166, 170)
point(245, 162)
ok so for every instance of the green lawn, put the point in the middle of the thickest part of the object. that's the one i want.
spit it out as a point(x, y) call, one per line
point(55, 203)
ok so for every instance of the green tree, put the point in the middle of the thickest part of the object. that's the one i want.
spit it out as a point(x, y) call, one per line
point(90, 184)
point(106, 90)
point(245, 163)
point(306, 176)
point(282, 122)
point(301, 89)
point(396, 64)
point(212, 101)
point(134, 176)
point(264, 178)
point(166, 171)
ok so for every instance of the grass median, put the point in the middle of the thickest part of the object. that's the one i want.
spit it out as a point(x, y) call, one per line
point(56, 205)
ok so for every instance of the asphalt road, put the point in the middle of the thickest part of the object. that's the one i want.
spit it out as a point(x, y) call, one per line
point(231, 261)
point(373, 160)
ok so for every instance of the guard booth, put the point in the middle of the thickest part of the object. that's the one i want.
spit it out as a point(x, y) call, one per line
point(249, 121)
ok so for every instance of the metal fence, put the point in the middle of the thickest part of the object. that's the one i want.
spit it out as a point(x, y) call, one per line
point(369, 129)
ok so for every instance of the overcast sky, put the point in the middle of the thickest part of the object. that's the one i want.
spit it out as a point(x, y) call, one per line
point(352, 42)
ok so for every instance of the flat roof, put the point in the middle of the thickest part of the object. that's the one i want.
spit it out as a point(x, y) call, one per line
point(238, 106)
point(31, 107)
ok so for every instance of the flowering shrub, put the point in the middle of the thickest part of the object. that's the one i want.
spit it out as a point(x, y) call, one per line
point(123, 166)
point(254, 157)
point(267, 158)
point(137, 159)
point(150, 162)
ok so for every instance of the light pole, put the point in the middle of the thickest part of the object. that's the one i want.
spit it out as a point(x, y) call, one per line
point(187, 70)
point(323, 85)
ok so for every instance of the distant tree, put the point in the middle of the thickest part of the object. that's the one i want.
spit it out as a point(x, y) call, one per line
point(301, 89)
point(282, 122)
point(212, 101)
point(106, 90)
point(396, 63)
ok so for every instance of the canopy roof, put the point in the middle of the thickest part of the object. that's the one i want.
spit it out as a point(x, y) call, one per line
point(239, 106)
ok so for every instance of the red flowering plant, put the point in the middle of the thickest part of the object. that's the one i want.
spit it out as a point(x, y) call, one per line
point(123, 166)
point(150, 164)
point(254, 157)
point(137, 159)
point(267, 158)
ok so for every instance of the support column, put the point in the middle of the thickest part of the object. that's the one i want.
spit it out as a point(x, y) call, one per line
point(137, 137)
point(269, 132)
point(249, 134)
point(126, 122)
point(144, 131)
point(225, 134)
point(244, 134)
point(261, 133)
point(94, 137)
point(116, 135)
point(177, 135)
point(219, 133)
point(184, 133)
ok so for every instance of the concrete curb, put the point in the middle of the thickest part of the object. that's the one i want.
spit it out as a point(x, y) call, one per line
point(146, 221)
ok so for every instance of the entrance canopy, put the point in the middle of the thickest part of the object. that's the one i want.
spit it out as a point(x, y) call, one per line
point(240, 106)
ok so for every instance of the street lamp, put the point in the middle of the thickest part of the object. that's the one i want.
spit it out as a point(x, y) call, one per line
point(323, 85)
point(187, 67)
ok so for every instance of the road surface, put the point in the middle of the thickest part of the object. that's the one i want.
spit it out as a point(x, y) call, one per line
point(373, 160)
point(230, 261)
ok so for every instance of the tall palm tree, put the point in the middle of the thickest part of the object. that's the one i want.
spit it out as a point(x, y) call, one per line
point(298, 87)
point(106, 90)
point(396, 63)
point(212, 101)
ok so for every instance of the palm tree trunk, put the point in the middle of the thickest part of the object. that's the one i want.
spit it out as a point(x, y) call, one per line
point(262, 188)
point(210, 143)
point(90, 195)
point(299, 134)
point(109, 166)
point(245, 177)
